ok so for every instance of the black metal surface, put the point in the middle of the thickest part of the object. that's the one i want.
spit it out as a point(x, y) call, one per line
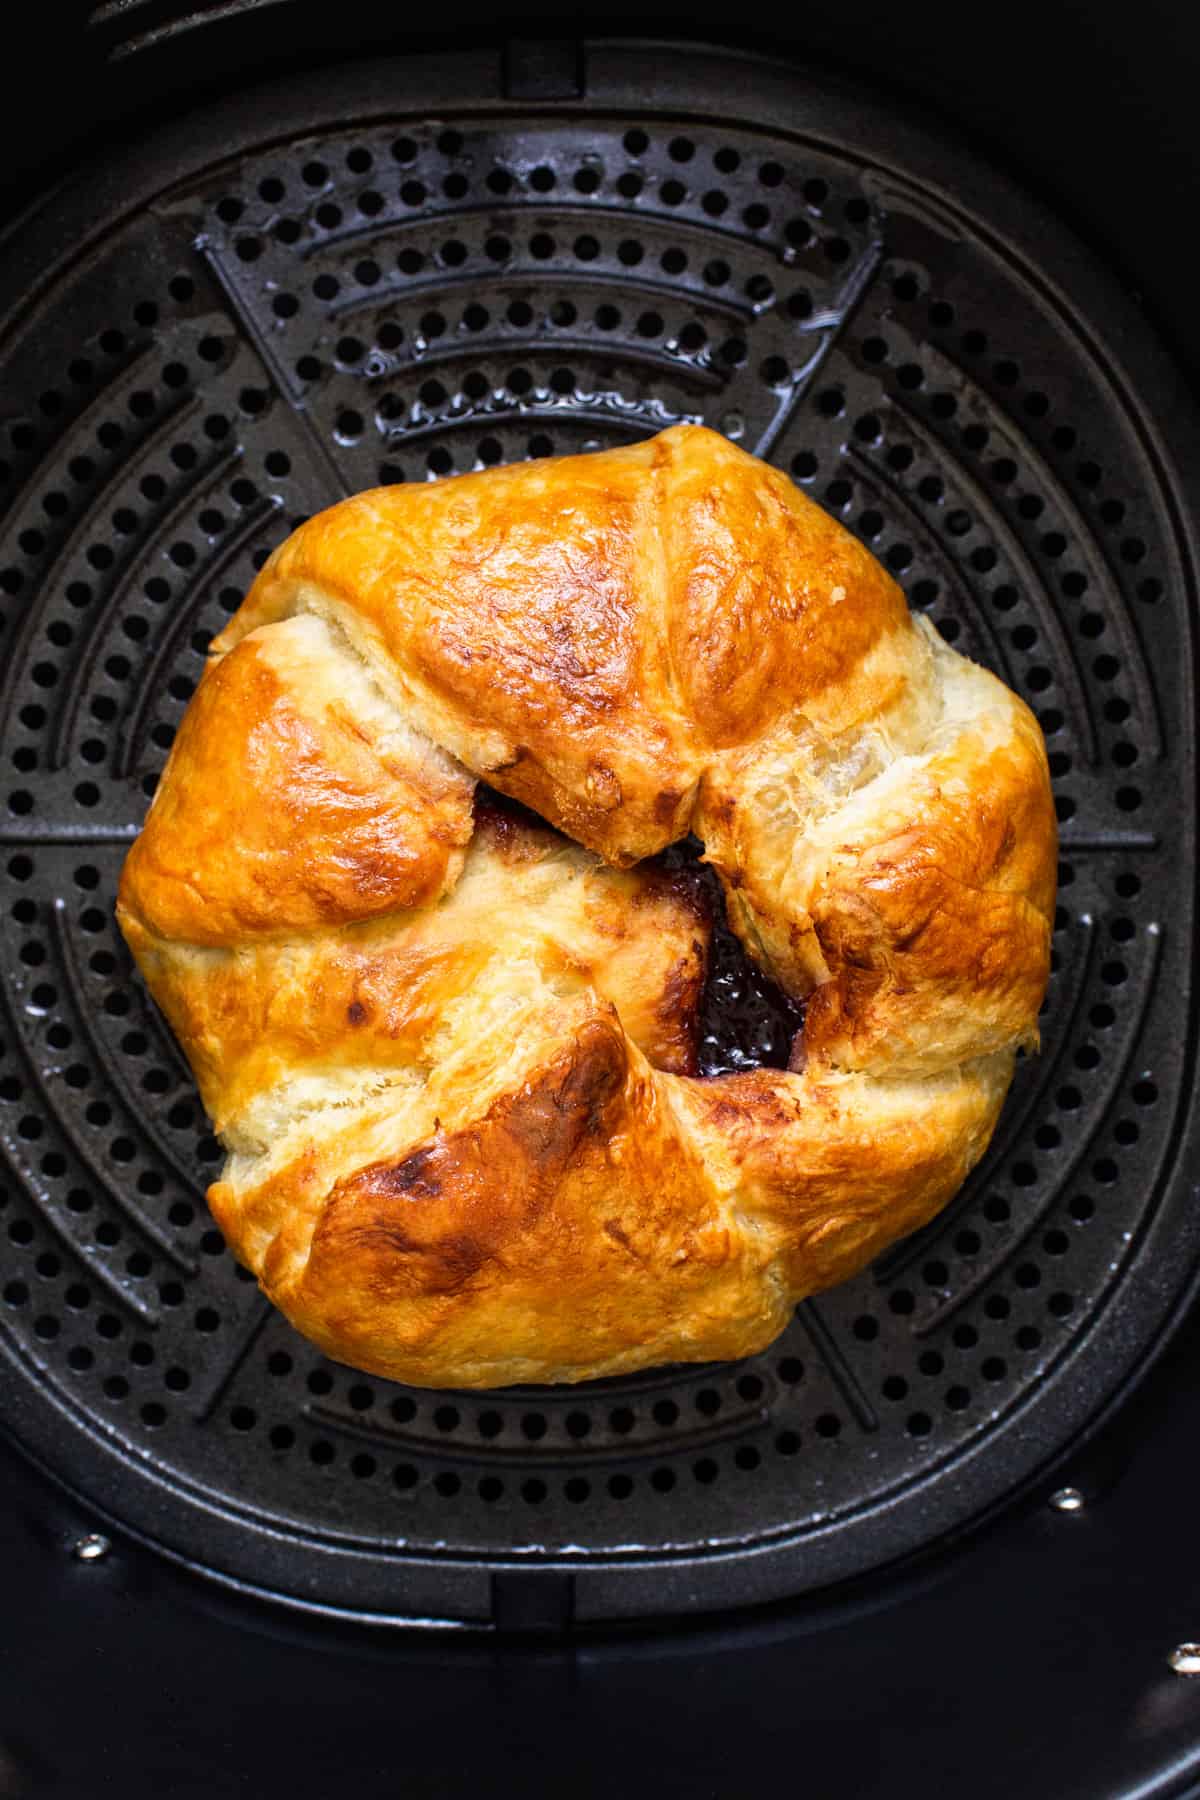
point(1059, 1627)
point(269, 306)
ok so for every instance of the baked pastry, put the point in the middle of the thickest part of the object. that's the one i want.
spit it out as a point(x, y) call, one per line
point(449, 1057)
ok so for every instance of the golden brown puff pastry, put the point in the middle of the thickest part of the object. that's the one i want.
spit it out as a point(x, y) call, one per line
point(450, 1055)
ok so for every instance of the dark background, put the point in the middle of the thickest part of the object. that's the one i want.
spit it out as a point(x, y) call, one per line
point(1090, 105)
point(1028, 1660)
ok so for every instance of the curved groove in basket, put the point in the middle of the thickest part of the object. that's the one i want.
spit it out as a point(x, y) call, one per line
point(145, 553)
point(988, 1271)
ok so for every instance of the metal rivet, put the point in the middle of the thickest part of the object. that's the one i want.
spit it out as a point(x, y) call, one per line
point(92, 1548)
point(1185, 1659)
point(1067, 1500)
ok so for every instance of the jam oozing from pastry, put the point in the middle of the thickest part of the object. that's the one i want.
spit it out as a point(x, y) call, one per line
point(746, 1021)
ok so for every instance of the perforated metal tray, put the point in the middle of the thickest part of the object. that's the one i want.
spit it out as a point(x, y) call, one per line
point(436, 265)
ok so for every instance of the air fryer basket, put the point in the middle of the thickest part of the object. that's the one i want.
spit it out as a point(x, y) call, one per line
point(391, 273)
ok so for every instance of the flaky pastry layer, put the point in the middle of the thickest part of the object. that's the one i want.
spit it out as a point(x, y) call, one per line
point(451, 1055)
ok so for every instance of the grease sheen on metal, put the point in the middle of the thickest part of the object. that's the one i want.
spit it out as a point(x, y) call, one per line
point(254, 318)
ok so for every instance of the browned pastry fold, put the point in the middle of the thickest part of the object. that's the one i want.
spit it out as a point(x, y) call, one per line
point(453, 1067)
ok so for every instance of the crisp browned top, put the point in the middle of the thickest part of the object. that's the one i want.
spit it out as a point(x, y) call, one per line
point(586, 632)
point(427, 1051)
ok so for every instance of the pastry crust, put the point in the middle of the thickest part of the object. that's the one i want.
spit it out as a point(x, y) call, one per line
point(450, 1054)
